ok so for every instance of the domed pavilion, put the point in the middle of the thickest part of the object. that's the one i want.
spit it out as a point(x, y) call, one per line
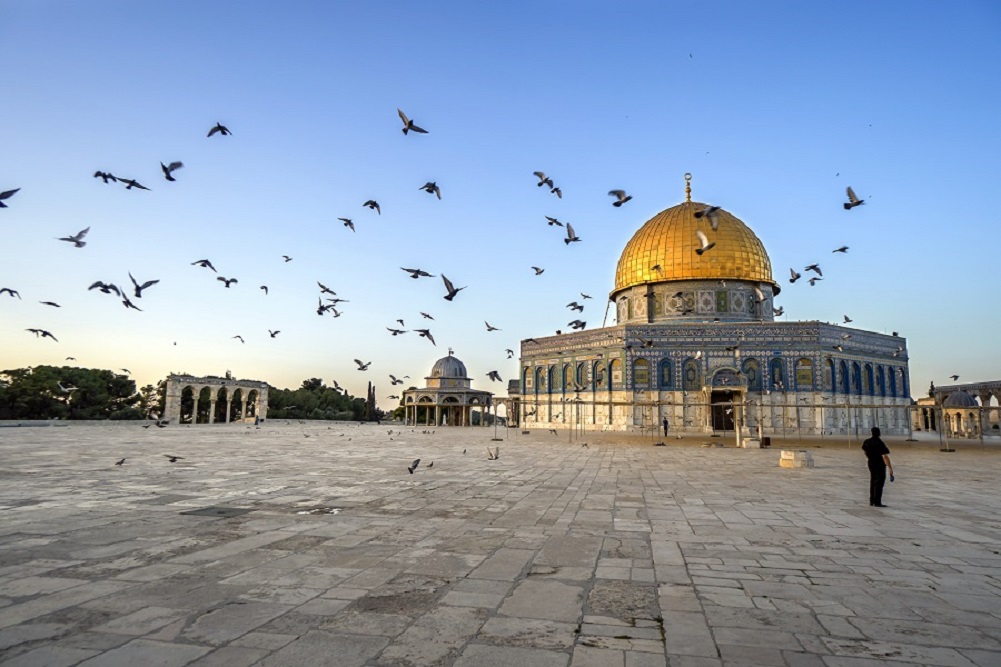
point(696, 342)
point(448, 398)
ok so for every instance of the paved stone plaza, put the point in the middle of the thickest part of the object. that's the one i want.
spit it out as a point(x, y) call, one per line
point(618, 554)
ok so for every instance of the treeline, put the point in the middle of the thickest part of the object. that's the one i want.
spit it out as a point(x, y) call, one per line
point(314, 400)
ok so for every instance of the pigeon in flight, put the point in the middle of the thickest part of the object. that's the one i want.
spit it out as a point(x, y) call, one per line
point(848, 320)
point(426, 316)
point(494, 376)
point(128, 304)
point(374, 205)
point(431, 188)
point(49, 303)
point(286, 258)
point(779, 311)
point(204, 263)
point(815, 268)
point(78, 239)
point(171, 458)
point(585, 296)
point(813, 281)
point(139, 288)
point(105, 176)
point(510, 353)
point(571, 236)
point(704, 241)
point(169, 169)
point(408, 125)
point(954, 377)
point(42, 333)
point(265, 288)
point(538, 271)
point(573, 305)
point(66, 390)
point(839, 348)
point(107, 288)
point(450, 288)
point(543, 179)
point(553, 221)
point(426, 333)
point(274, 333)
point(577, 324)
point(393, 380)
point(843, 248)
point(395, 332)
point(132, 183)
point(793, 276)
point(228, 281)
point(12, 292)
point(620, 197)
point(413, 466)
point(557, 192)
point(240, 337)
point(362, 366)
point(490, 328)
point(417, 273)
point(348, 222)
point(7, 194)
point(325, 290)
point(712, 213)
point(221, 129)
point(853, 201)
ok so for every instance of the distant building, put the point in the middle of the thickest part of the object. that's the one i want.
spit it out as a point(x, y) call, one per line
point(448, 398)
point(967, 410)
point(211, 400)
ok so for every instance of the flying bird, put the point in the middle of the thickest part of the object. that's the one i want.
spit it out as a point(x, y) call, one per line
point(712, 213)
point(585, 296)
point(408, 125)
point(7, 194)
point(325, 290)
point(240, 337)
point(286, 258)
point(577, 324)
point(66, 390)
point(557, 192)
point(105, 176)
point(169, 169)
point(348, 223)
point(954, 377)
point(538, 271)
point(417, 273)
point(172, 459)
point(813, 281)
point(394, 380)
point(221, 129)
point(204, 263)
point(553, 221)
point(42, 333)
point(78, 239)
point(12, 292)
point(107, 288)
point(139, 288)
point(494, 376)
point(706, 245)
point(426, 333)
point(843, 248)
point(510, 353)
point(132, 183)
point(50, 303)
point(450, 288)
point(265, 288)
point(362, 366)
point(426, 316)
point(815, 268)
point(413, 466)
point(395, 332)
point(228, 281)
point(489, 327)
point(793, 276)
point(848, 320)
point(274, 333)
point(839, 348)
point(620, 197)
point(128, 304)
point(374, 205)
point(120, 462)
point(431, 188)
point(393, 397)
point(779, 311)
point(853, 201)
point(573, 305)
point(543, 179)
point(571, 236)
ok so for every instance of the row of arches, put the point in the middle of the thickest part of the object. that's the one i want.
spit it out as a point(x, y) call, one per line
point(211, 406)
point(851, 379)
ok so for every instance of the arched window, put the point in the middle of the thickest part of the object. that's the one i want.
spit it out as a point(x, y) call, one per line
point(615, 374)
point(582, 374)
point(599, 376)
point(893, 382)
point(843, 375)
point(692, 378)
point(553, 380)
point(830, 376)
point(880, 381)
point(567, 378)
point(526, 380)
point(903, 383)
point(856, 378)
point(666, 374)
point(867, 382)
point(641, 374)
point(752, 374)
point(778, 372)
point(804, 374)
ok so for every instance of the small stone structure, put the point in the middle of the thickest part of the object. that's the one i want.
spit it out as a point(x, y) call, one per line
point(796, 459)
point(448, 399)
point(222, 400)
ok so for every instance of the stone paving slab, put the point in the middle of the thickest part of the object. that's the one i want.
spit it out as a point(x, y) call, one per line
point(555, 555)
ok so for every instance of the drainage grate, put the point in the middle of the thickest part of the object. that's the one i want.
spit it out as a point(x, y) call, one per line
point(220, 512)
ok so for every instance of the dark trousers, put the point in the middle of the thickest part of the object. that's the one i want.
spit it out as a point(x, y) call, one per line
point(877, 478)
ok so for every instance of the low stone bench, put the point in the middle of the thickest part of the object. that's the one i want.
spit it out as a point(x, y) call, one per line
point(796, 458)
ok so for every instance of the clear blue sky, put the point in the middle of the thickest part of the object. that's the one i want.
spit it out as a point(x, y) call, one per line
point(774, 107)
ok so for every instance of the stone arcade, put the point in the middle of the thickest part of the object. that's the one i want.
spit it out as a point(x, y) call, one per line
point(210, 400)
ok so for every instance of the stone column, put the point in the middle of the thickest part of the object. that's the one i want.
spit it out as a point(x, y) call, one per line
point(212, 403)
point(194, 409)
point(229, 409)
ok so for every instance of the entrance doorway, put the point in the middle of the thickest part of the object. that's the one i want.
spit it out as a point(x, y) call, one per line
point(722, 410)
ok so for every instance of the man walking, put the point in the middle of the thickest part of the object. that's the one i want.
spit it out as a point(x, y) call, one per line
point(667, 425)
point(878, 455)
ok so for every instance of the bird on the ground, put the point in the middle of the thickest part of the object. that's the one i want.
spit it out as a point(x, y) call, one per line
point(704, 241)
point(107, 288)
point(413, 466)
point(426, 316)
point(538, 270)
point(843, 248)
point(848, 319)
point(813, 281)
point(132, 183)
point(431, 465)
point(273, 333)
point(228, 281)
point(620, 197)
point(204, 263)
point(543, 179)
point(221, 129)
point(558, 192)
point(793, 276)
point(853, 201)
point(489, 327)
point(573, 305)
point(510, 353)
point(265, 288)
point(77, 240)
point(393, 380)
point(172, 458)
point(7, 194)
point(431, 188)
point(585, 296)
point(779, 311)
point(374, 205)
point(12, 292)
point(240, 337)
point(577, 324)
point(348, 222)
point(168, 169)
point(712, 213)
point(286, 258)
point(426, 333)
point(571, 236)
point(954, 377)
point(491, 456)
point(139, 288)
point(408, 125)
point(120, 462)
point(105, 176)
point(553, 221)
point(42, 333)
point(395, 332)
point(815, 268)
point(325, 290)
point(494, 376)
point(362, 366)
point(128, 304)
point(417, 273)
point(450, 288)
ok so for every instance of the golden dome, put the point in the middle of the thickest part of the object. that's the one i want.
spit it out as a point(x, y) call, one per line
point(668, 241)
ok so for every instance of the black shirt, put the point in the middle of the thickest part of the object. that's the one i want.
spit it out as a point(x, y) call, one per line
point(874, 449)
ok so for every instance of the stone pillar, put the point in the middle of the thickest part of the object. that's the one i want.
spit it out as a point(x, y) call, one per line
point(229, 409)
point(194, 409)
point(212, 403)
point(437, 415)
